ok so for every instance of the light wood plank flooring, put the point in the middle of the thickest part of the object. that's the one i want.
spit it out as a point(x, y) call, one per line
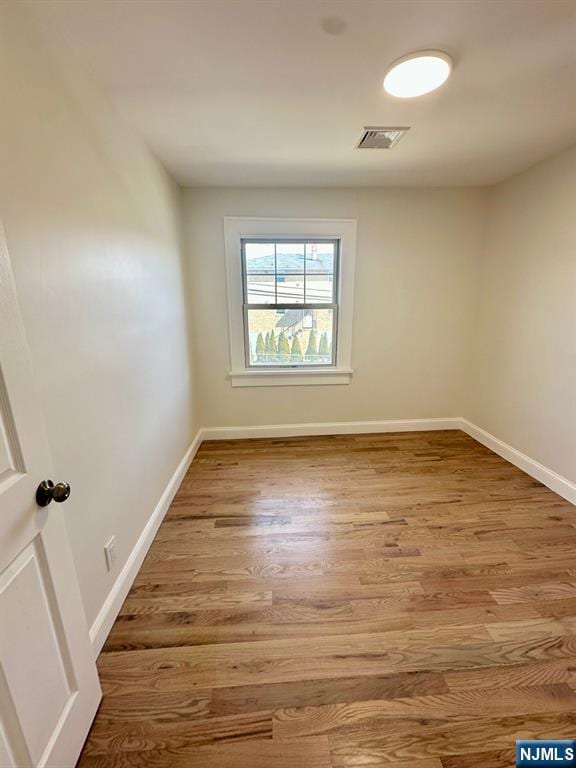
point(404, 600)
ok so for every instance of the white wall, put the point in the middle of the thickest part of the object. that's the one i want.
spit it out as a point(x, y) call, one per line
point(523, 374)
point(417, 259)
point(92, 227)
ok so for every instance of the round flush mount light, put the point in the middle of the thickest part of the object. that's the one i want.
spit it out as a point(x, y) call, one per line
point(417, 73)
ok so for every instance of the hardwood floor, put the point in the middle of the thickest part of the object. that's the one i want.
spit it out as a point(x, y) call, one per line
point(403, 600)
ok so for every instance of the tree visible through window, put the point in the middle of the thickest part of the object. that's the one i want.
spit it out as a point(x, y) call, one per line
point(290, 300)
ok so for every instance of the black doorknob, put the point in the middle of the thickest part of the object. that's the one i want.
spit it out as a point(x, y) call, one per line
point(47, 492)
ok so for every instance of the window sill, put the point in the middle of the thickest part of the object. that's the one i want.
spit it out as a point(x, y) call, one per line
point(291, 378)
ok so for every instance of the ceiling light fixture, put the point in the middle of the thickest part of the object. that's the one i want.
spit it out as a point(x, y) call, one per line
point(417, 73)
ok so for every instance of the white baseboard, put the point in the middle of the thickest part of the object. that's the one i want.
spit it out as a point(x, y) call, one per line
point(560, 485)
point(106, 617)
point(328, 428)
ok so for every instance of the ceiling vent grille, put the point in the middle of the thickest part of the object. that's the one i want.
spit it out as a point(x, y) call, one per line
point(380, 138)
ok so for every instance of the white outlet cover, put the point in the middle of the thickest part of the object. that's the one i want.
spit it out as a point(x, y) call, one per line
point(110, 552)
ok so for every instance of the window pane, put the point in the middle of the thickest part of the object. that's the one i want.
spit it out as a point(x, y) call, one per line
point(319, 288)
point(259, 257)
point(290, 289)
point(260, 289)
point(290, 337)
point(290, 258)
point(320, 257)
point(290, 273)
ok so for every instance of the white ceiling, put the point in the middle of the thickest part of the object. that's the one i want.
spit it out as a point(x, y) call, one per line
point(257, 92)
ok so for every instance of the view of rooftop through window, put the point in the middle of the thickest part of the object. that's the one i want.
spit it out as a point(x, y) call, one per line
point(290, 302)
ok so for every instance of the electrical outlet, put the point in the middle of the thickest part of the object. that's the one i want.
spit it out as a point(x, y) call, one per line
point(110, 552)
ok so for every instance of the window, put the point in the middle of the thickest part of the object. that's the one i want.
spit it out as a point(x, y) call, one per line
point(290, 290)
point(290, 293)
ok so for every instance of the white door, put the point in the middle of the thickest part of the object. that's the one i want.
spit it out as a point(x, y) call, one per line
point(49, 689)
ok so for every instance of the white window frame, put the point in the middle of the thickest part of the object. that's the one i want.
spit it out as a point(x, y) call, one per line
point(238, 228)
